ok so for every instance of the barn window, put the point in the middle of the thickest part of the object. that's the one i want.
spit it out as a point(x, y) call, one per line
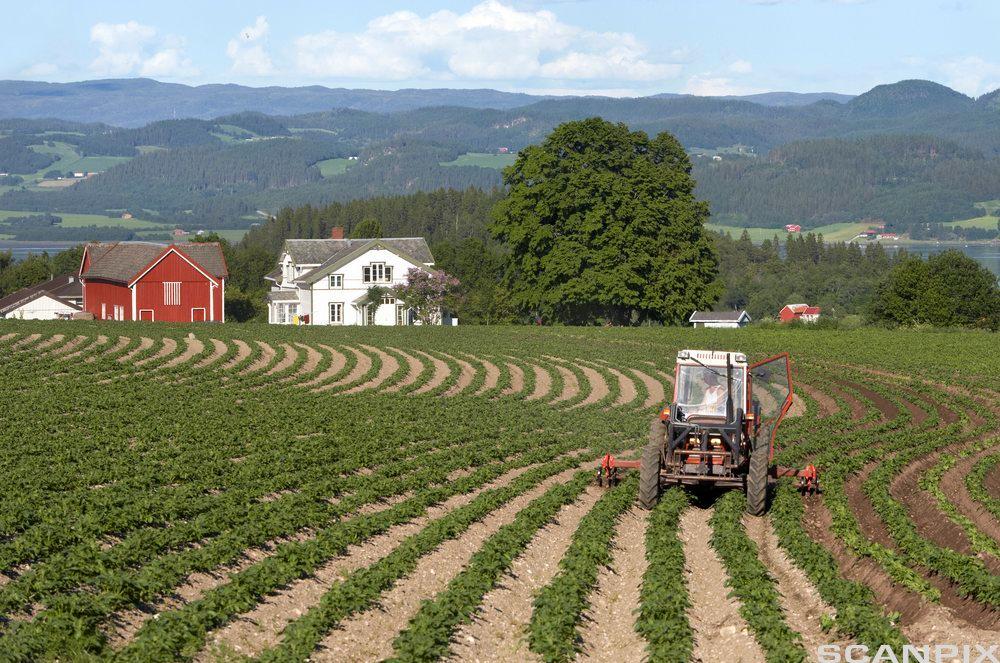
point(171, 293)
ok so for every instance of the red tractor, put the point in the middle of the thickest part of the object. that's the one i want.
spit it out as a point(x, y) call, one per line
point(719, 429)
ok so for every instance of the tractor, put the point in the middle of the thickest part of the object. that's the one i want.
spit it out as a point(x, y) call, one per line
point(719, 429)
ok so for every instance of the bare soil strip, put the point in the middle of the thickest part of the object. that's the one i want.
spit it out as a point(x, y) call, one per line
point(99, 341)
point(609, 625)
point(388, 367)
point(267, 354)
point(497, 631)
point(826, 404)
point(627, 391)
point(415, 368)
point(7, 337)
point(953, 485)
point(337, 362)
point(242, 352)
point(48, 343)
point(30, 338)
point(598, 387)
point(313, 357)
point(441, 373)
point(721, 635)
point(219, 349)
point(290, 356)
point(467, 373)
point(571, 387)
point(800, 601)
point(363, 365)
point(69, 346)
point(261, 628)
point(194, 347)
point(654, 388)
point(922, 622)
point(516, 380)
point(492, 375)
point(169, 347)
point(543, 383)
point(117, 347)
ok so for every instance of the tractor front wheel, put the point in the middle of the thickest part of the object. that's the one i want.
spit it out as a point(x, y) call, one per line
point(649, 468)
point(757, 480)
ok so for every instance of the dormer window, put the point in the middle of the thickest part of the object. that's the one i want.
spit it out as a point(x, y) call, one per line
point(377, 272)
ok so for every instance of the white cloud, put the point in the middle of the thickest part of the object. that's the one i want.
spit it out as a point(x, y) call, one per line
point(492, 41)
point(741, 67)
point(708, 85)
point(248, 53)
point(972, 75)
point(40, 70)
point(127, 48)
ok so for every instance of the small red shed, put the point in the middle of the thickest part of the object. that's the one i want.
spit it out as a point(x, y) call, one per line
point(802, 312)
point(154, 282)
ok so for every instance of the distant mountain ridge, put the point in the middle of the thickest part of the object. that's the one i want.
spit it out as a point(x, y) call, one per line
point(134, 102)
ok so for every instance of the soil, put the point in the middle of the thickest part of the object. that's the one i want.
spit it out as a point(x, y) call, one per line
point(721, 635)
point(266, 355)
point(953, 485)
point(516, 380)
point(117, 347)
point(441, 373)
point(498, 629)
point(598, 387)
point(627, 391)
point(609, 624)
point(337, 361)
point(72, 344)
point(194, 347)
point(991, 482)
point(492, 376)
point(55, 339)
point(242, 352)
point(385, 371)
point(363, 365)
point(414, 368)
point(800, 601)
point(543, 383)
point(571, 387)
point(313, 357)
point(465, 376)
point(288, 358)
point(168, 348)
point(886, 407)
point(654, 389)
point(219, 349)
point(826, 404)
point(99, 341)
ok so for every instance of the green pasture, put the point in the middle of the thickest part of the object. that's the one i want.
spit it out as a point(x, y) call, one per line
point(483, 160)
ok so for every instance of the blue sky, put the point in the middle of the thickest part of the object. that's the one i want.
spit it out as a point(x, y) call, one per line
point(622, 47)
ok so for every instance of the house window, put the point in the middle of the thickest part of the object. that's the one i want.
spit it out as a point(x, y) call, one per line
point(401, 317)
point(336, 280)
point(377, 272)
point(388, 301)
point(171, 293)
point(286, 313)
point(336, 313)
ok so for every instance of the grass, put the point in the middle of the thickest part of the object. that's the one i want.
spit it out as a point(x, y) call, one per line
point(833, 232)
point(96, 164)
point(332, 167)
point(984, 222)
point(70, 220)
point(483, 160)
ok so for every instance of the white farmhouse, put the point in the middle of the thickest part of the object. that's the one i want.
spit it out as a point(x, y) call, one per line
point(723, 319)
point(59, 298)
point(327, 281)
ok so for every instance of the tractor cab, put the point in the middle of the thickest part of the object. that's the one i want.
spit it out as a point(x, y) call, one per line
point(706, 388)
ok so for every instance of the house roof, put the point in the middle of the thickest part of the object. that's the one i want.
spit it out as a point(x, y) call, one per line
point(58, 287)
point(283, 296)
point(413, 249)
point(718, 316)
point(273, 275)
point(122, 261)
point(800, 309)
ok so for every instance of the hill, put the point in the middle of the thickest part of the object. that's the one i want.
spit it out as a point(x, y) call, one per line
point(909, 97)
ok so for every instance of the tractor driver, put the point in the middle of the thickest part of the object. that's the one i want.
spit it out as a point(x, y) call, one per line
point(714, 399)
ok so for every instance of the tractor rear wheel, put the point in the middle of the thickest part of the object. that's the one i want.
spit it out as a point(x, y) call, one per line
point(757, 479)
point(649, 468)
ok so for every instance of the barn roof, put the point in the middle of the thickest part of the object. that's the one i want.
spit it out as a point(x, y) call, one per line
point(59, 287)
point(123, 261)
point(718, 316)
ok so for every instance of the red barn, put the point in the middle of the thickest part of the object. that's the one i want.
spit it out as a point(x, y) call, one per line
point(146, 281)
point(802, 312)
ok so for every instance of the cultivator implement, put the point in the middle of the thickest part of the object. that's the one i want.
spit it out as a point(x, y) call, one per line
point(611, 471)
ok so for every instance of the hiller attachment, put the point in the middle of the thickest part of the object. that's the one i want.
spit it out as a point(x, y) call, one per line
point(607, 471)
point(808, 478)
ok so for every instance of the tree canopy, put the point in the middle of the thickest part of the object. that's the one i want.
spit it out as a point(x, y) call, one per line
point(602, 225)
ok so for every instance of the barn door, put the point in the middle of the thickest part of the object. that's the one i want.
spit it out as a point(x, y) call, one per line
point(197, 315)
point(146, 314)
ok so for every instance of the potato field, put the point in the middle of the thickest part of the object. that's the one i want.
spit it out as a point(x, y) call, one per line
point(409, 494)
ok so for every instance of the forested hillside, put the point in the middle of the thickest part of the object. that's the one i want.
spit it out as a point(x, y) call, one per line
point(908, 153)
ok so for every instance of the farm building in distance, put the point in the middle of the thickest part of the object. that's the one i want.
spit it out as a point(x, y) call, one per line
point(802, 312)
point(154, 282)
point(57, 298)
point(326, 281)
point(793, 228)
point(728, 319)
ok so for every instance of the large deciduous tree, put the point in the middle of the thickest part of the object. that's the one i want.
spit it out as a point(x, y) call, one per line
point(602, 225)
